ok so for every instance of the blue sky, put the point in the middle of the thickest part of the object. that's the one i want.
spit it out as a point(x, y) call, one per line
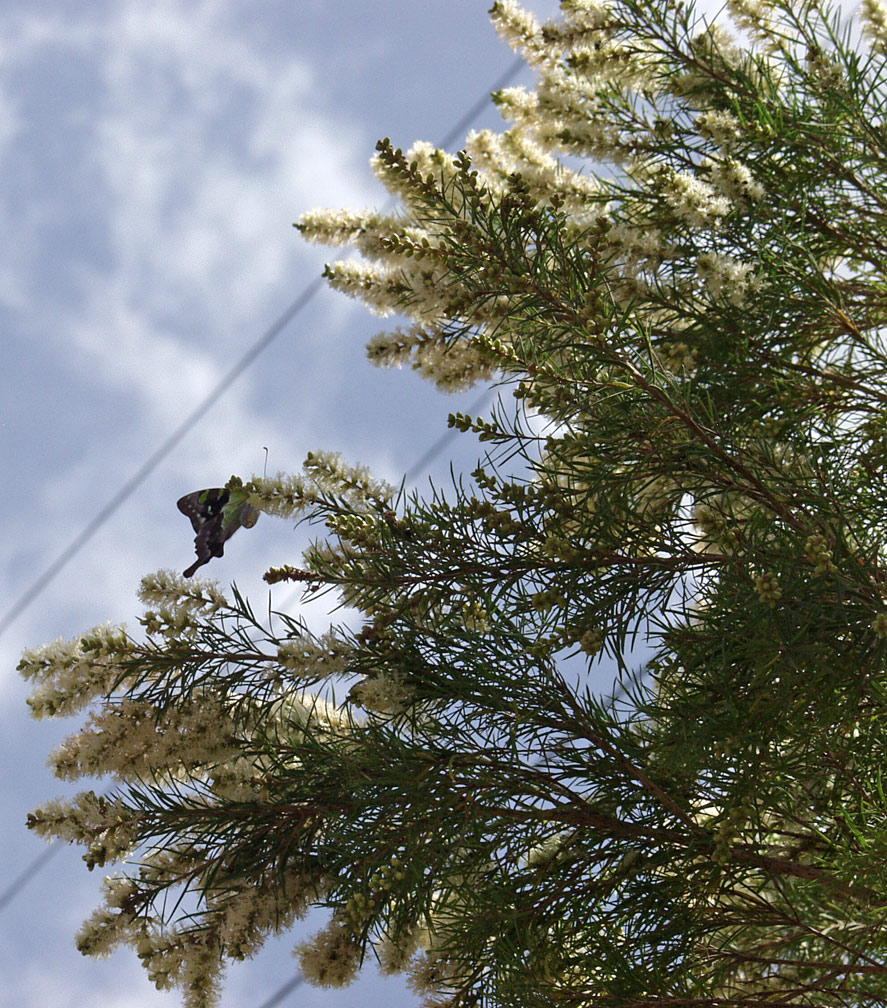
point(156, 153)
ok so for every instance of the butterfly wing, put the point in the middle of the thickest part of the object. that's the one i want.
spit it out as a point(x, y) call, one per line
point(203, 505)
point(206, 510)
point(215, 517)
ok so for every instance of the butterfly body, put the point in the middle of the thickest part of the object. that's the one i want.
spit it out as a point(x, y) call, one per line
point(216, 514)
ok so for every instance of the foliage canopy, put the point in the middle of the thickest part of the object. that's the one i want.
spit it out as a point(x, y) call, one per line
point(674, 265)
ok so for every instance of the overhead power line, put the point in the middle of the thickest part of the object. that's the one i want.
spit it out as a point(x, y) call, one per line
point(438, 446)
point(154, 460)
point(483, 102)
point(34, 868)
point(287, 988)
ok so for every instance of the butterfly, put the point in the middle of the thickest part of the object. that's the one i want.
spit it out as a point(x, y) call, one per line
point(216, 514)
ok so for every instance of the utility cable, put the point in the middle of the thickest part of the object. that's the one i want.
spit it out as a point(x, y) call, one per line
point(438, 446)
point(287, 988)
point(37, 865)
point(483, 102)
point(444, 439)
point(154, 460)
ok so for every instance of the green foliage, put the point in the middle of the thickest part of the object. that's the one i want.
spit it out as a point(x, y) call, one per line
point(690, 437)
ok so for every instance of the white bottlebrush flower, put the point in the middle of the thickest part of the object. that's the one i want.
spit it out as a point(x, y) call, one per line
point(328, 226)
point(54, 659)
point(284, 495)
point(693, 199)
point(874, 19)
point(173, 624)
point(425, 159)
point(368, 231)
point(72, 673)
point(325, 657)
point(169, 589)
point(452, 366)
point(106, 826)
point(111, 925)
point(757, 17)
point(353, 481)
point(289, 496)
point(394, 348)
point(635, 246)
point(720, 127)
point(331, 958)
point(595, 137)
point(589, 14)
point(304, 707)
point(564, 114)
point(520, 30)
point(724, 276)
point(49, 659)
point(245, 917)
point(517, 104)
point(454, 369)
point(547, 850)
point(162, 954)
point(395, 955)
point(429, 974)
point(372, 283)
point(484, 147)
point(546, 176)
point(201, 970)
point(125, 739)
point(382, 694)
point(734, 180)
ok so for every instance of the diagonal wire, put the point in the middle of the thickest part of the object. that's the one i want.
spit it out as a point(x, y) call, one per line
point(483, 102)
point(19, 883)
point(444, 439)
point(422, 462)
point(279, 995)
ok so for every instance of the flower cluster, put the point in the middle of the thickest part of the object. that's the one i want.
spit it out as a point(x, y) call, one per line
point(725, 277)
point(70, 674)
point(323, 658)
point(874, 13)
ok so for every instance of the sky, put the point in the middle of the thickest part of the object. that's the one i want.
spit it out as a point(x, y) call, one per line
point(156, 154)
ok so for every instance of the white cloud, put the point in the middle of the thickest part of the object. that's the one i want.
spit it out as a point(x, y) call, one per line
point(201, 149)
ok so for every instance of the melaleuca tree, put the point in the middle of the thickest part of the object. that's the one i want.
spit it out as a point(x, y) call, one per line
point(674, 265)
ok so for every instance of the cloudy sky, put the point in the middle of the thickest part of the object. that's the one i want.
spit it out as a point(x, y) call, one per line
point(156, 153)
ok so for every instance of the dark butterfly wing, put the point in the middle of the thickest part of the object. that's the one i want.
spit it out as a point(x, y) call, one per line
point(215, 518)
point(205, 508)
point(199, 562)
point(203, 505)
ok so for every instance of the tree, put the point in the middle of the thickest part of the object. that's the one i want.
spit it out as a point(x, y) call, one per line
point(673, 265)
